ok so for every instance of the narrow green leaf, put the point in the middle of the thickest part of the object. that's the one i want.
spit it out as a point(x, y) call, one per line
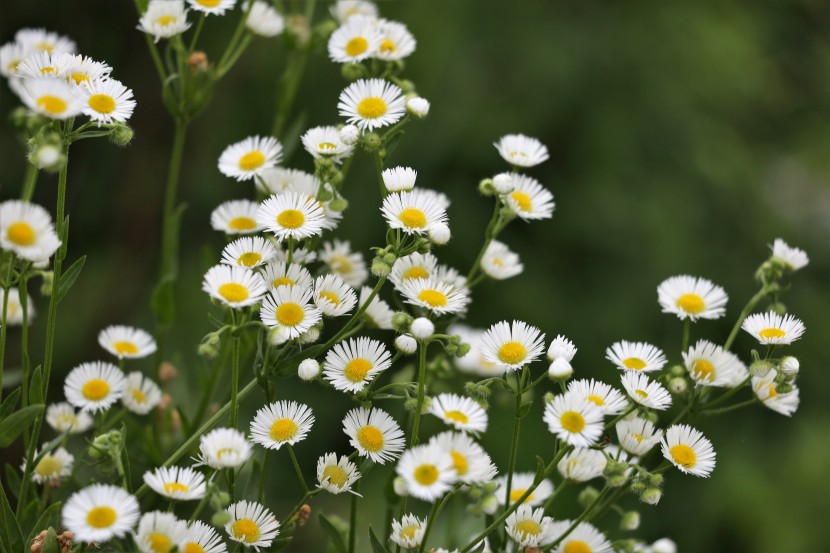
point(335, 537)
point(377, 546)
point(10, 536)
point(163, 302)
point(12, 479)
point(36, 387)
point(17, 422)
point(69, 277)
point(9, 404)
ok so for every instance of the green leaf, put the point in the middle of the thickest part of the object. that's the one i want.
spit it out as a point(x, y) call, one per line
point(17, 422)
point(50, 518)
point(163, 301)
point(36, 387)
point(377, 546)
point(9, 404)
point(12, 479)
point(50, 543)
point(335, 537)
point(11, 537)
point(27, 518)
point(69, 277)
point(524, 409)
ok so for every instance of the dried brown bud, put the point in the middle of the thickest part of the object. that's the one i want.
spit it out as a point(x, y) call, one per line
point(164, 402)
point(303, 514)
point(175, 420)
point(167, 372)
point(198, 62)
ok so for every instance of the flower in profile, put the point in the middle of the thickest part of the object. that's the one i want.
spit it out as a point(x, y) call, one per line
point(248, 252)
point(396, 42)
point(52, 466)
point(278, 273)
point(178, 483)
point(324, 142)
point(83, 70)
point(378, 314)
point(419, 107)
point(236, 217)
point(108, 101)
point(473, 362)
point(413, 212)
point(584, 538)
point(43, 65)
point(281, 423)
point(346, 264)
point(520, 483)
point(609, 400)
point(688, 450)
point(645, 392)
point(336, 476)
point(574, 420)
point(499, 262)
point(528, 199)
point(53, 98)
point(249, 158)
point(772, 328)
point(471, 463)
point(235, 287)
point(252, 524)
point(428, 471)
point(26, 229)
point(372, 104)
point(63, 418)
point(399, 179)
point(637, 436)
point(159, 531)
point(791, 258)
point(343, 10)
point(766, 390)
point(512, 346)
point(460, 412)
point(635, 356)
point(333, 296)
point(94, 386)
point(374, 434)
point(438, 297)
point(264, 20)
point(224, 448)
point(14, 308)
point(529, 527)
point(582, 464)
point(408, 532)
point(41, 40)
point(164, 19)
point(291, 215)
point(12, 55)
point(141, 394)
point(127, 342)
point(201, 537)
point(352, 364)
point(521, 150)
point(355, 40)
point(711, 365)
point(692, 297)
point(412, 266)
point(99, 513)
point(212, 7)
point(290, 307)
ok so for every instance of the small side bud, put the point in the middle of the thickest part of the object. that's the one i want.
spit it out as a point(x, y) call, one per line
point(278, 335)
point(677, 370)
point(422, 328)
point(490, 504)
point(761, 368)
point(389, 258)
point(651, 496)
point(380, 269)
point(560, 369)
point(221, 518)
point(503, 183)
point(401, 321)
point(353, 71)
point(485, 187)
point(309, 369)
point(48, 282)
point(439, 233)
point(790, 365)
point(349, 135)
point(406, 344)
point(121, 135)
point(463, 349)
point(418, 107)
point(309, 336)
point(678, 385)
point(400, 487)
point(339, 204)
point(587, 496)
point(630, 521)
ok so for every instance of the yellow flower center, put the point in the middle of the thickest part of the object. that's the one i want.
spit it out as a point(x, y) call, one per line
point(593, 398)
point(165, 20)
point(771, 333)
point(512, 353)
point(703, 370)
point(49, 467)
point(577, 546)
point(102, 103)
point(522, 199)
point(242, 223)
point(139, 396)
point(331, 297)
point(45, 46)
point(370, 438)
point(572, 421)
point(691, 303)
point(459, 461)
point(516, 494)
point(457, 416)
point(409, 531)
point(641, 393)
point(371, 107)
point(772, 393)
point(246, 529)
point(283, 430)
point(47, 70)
point(426, 474)
point(326, 146)
point(356, 46)
point(283, 281)
point(224, 451)
point(341, 263)
point(412, 218)
point(291, 218)
point(208, 3)
point(95, 389)
point(415, 272)
point(101, 517)
point(683, 455)
point(124, 346)
point(171, 488)
point(79, 78)
point(388, 46)
point(290, 314)
point(193, 547)
point(160, 543)
point(634, 363)
point(497, 261)
point(528, 527)
point(21, 233)
point(233, 292)
point(433, 298)
point(52, 105)
point(357, 369)
point(252, 160)
point(336, 475)
point(249, 259)
point(639, 438)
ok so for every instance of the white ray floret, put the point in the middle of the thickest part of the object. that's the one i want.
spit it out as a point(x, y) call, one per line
point(264, 20)
point(99, 513)
point(765, 389)
point(202, 538)
point(178, 483)
point(378, 314)
point(688, 450)
point(529, 527)
point(53, 98)
point(324, 142)
point(461, 412)
point(372, 104)
point(412, 266)
point(63, 418)
point(342, 261)
point(428, 471)
point(396, 42)
point(399, 179)
point(413, 212)
point(159, 531)
point(408, 532)
point(637, 436)
point(14, 307)
point(248, 158)
point(248, 252)
point(792, 258)
point(252, 524)
point(352, 364)
point(235, 287)
point(277, 180)
point(709, 364)
point(224, 448)
point(354, 41)
point(635, 356)
point(52, 466)
point(333, 296)
point(773, 329)
point(512, 346)
point(108, 102)
point(574, 420)
point(609, 400)
point(279, 273)
point(290, 307)
point(127, 342)
point(646, 392)
point(336, 475)
point(236, 217)
point(212, 7)
point(141, 394)
point(471, 463)
point(519, 485)
point(164, 19)
point(529, 200)
point(584, 538)
point(692, 297)
point(438, 297)
point(44, 41)
point(291, 215)
point(582, 464)
point(26, 229)
point(94, 386)
point(499, 262)
point(474, 362)
point(374, 434)
point(281, 423)
point(521, 150)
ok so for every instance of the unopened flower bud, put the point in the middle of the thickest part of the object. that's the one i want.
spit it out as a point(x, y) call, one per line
point(278, 335)
point(783, 388)
point(419, 107)
point(221, 518)
point(655, 480)
point(167, 372)
point(560, 369)
point(400, 487)
point(678, 385)
point(121, 135)
point(406, 85)
point(422, 328)
point(463, 349)
point(349, 135)
point(549, 397)
point(401, 321)
point(664, 545)
point(677, 370)
point(303, 514)
point(48, 157)
point(339, 204)
point(165, 402)
point(309, 369)
point(637, 486)
point(309, 336)
point(778, 307)
point(353, 71)
point(616, 480)
point(587, 496)
point(651, 496)
point(439, 233)
point(198, 62)
point(485, 187)
point(760, 368)
point(790, 365)
point(410, 404)
point(406, 344)
point(371, 141)
point(48, 281)
point(389, 258)
point(490, 486)
point(380, 269)
point(630, 521)
point(490, 504)
point(503, 183)
point(207, 350)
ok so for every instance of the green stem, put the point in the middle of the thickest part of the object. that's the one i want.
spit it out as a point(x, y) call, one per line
point(23, 289)
point(379, 169)
point(237, 34)
point(308, 495)
point(582, 516)
point(554, 495)
point(197, 32)
point(620, 417)
point(729, 393)
point(687, 324)
point(231, 61)
point(288, 85)
point(733, 407)
point(753, 301)
point(235, 381)
point(433, 514)
point(297, 467)
point(514, 441)
point(29, 182)
point(353, 522)
point(422, 375)
point(3, 325)
point(488, 237)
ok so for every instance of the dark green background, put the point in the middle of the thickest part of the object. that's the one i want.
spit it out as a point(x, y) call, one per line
point(684, 138)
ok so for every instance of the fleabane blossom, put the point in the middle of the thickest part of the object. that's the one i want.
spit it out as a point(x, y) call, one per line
point(212, 7)
point(252, 524)
point(26, 229)
point(408, 532)
point(428, 471)
point(249, 158)
point(413, 212)
point(709, 364)
point(355, 40)
point(164, 19)
point(688, 450)
point(372, 104)
point(460, 412)
point(336, 475)
point(520, 483)
point(99, 513)
point(528, 199)
point(574, 420)
point(692, 297)
point(108, 102)
point(512, 346)
point(499, 262)
point(635, 356)
point(770, 328)
point(791, 258)
point(396, 42)
point(521, 150)
point(263, 20)
point(529, 527)
point(374, 434)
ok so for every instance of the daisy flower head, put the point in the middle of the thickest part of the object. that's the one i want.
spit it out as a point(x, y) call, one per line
point(574, 420)
point(290, 308)
point(343, 10)
point(562, 348)
point(461, 412)
point(396, 42)
point(791, 258)
point(471, 463)
point(26, 229)
point(63, 418)
point(520, 484)
point(279, 273)
point(354, 41)
point(212, 7)
point(530, 527)
point(324, 142)
point(711, 365)
point(473, 362)
point(372, 104)
point(413, 212)
point(127, 342)
point(609, 400)
point(52, 466)
point(281, 423)
point(248, 158)
point(585, 538)
point(413, 266)
point(248, 252)
point(14, 308)
point(99, 513)
point(159, 531)
point(94, 386)
point(512, 346)
point(291, 215)
point(408, 532)
point(346, 264)
point(428, 471)
point(688, 450)
point(378, 314)
point(277, 180)
point(252, 524)
point(374, 434)
point(201, 537)
point(521, 150)
point(437, 297)
point(399, 179)
point(773, 329)
point(646, 392)
point(236, 287)
point(637, 436)
point(164, 19)
point(236, 217)
point(11, 56)
point(43, 65)
point(179, 483)
point(333, 296)
point(264, 20)
point(355, 362)
point(300, 256)
point(108, 101)
point(224, 448)
point(336, 475)
point(529, 200)
point(141, 394)
point(765, 389)
point(635, 356)
point(582, 464)
point(692, 297)
point(41, 40)
point(83, 70)
point(499, 262)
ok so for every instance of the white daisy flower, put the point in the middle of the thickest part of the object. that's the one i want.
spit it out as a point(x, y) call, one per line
point(474, 362)
point(637, 436)
point(408, 532)
point(164, 19)
point(773, 329)
point(324, 142)
point(460, 412)
point(711, 365)
point(345, 9)
point(300, 256)
point(792, 258)
point(141, 395)
point(179, 483)
point(428, 471)
point(11, 55)
point(333, 296)
point(378, 314)
point(224, 448)
point(396, 42)
point(62, 418)
point(438, 297)
point(635, 356)
point(764, 387)
point(512, 346)
point(291, 215)
point(99, 513)
point(235, 287)
point(471, 463)
point(281, 423)
point(412, 266)
point(688, 450)
point(499, 262)
point(94, 386)
point(582, 464)
point(202, 538)
point(561, 347)
point(520, 483)
point(609, 400)
point(43, 65)
point(374, 434)
point(521, 150)
point(52, 466)
point(529, 200)
point(279, 273)
point(645, 392)
point(85, 70)
point(692, 297)
point(574, 420)
point(236, 217)
point(289, 307)
point(248, 252)
point(277, 180)
point(248, 158)
point(352, 364)
point(212, 7)
point(252, 524)
point(159, 531)
point(127, 342)
point(529, 527)
point(413, 212)
point(372, 104)
point(336, 476)
point(585, 538)
point(346, 264)
point(264, 20)
point(108, 101)
point(26, 229)
point(14, 309)
point(399, 179)
point(354, 41)
point(44, 41)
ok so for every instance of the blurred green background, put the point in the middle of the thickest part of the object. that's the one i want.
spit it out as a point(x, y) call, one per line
point(684, 138)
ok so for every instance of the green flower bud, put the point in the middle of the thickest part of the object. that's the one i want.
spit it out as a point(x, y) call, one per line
point(339, 204)
point(325, 194)
point(380, 269)
point(637, 486)
point(617, 480)
point(630, 521)
point(655, 480)
point(463, 349)
point(549, 397)
point(220, 518)
point(390, 258)
point(587, 496)
point(220, 500)
point(784, 388)
point(778, 307)
point(761, 368)
point(651, 496)
point(353, 71)
point(678, 385)
point(372, 141)
point(207, 350)
point(19, 117)
point(121, 135)
point(411, 404)
point(677, 370)
point(401, 321)
point(406, 86)
point(485, 187)
point(490, 504)
point(475, 493)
